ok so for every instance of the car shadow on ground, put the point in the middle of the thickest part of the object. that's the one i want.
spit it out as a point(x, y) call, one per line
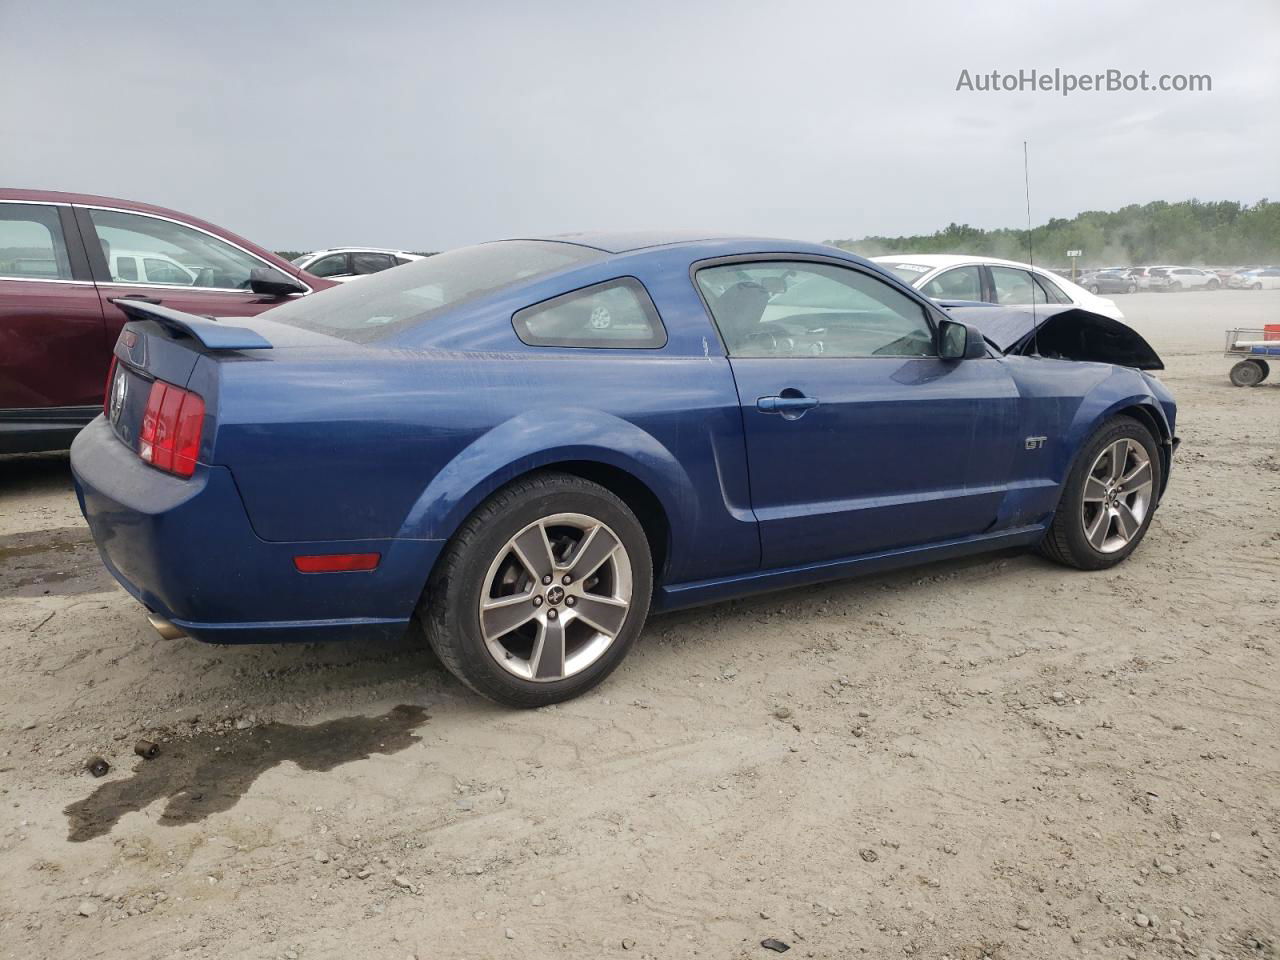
point(34, 474)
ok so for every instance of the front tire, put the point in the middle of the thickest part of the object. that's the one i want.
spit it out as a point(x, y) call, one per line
point(1109, 499)
point(541, 592)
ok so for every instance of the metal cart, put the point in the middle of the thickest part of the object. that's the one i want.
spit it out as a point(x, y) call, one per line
point(1252, 348)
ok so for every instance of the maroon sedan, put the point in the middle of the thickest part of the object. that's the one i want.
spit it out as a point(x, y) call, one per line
point(64, 259)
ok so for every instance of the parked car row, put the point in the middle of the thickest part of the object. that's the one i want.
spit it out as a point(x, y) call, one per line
point(1172, 278)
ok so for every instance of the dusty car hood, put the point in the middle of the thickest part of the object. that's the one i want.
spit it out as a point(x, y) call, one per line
point(1067, 333)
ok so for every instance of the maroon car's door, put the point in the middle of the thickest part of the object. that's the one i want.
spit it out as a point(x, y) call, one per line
point(52, 338)
point(162, 260)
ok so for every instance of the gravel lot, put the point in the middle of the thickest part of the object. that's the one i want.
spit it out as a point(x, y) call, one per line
point(993, 757)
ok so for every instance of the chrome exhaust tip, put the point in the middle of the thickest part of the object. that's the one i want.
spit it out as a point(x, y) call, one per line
point(167, 629)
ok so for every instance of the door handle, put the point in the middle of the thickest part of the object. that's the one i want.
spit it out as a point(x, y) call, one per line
point(789, 406)
point(141, 298)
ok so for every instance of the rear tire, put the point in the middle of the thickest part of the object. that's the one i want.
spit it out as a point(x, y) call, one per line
point(522, 608)
point(1109, 498)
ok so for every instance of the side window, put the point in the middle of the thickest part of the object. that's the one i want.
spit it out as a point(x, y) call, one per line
point(362, 263)
point(962, 283)
point(1053, 291)
point(206, 260)
point(1015, 286)
point(31, 243)
point(334, 265)
point(617, 313)
point(804, 309)
point(125, 268)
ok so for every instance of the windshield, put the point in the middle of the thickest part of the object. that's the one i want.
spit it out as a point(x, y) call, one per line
point(384, 303)
point(908, 273)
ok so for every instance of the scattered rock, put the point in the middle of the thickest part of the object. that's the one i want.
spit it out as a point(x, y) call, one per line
point(627, 943)
point(777, 946)
point(87, 908)
point(1142, 920)
point(320, 857)
point(782, 713)
point(1059, 697)
point(511, 934)
point(402, 882)
point(1215, 837)
point(344, 873)
point(1023, 924)
point(539, 899)
point(364, 873)
point(869, 855)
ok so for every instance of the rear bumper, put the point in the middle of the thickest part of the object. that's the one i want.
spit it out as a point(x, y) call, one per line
point(186, 550)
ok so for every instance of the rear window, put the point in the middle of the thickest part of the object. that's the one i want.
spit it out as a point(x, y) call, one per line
point(385, 303)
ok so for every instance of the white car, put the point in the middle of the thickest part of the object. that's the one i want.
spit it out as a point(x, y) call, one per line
point(347, 263)
point(950, 277)
point(135, 266)
point(1184, 278)
point(1267, 278)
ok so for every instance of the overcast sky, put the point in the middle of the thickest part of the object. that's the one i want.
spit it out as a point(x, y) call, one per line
point(427, 125)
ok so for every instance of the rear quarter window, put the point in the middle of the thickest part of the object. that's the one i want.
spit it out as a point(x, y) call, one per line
point(615, 314)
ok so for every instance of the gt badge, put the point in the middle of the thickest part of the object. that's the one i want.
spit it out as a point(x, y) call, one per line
point(1034, 443)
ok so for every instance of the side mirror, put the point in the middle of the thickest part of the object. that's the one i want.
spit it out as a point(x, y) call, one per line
point(959, 341)
point(273, 283)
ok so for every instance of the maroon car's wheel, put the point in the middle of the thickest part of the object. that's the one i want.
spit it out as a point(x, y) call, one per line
point(1109, 498)
point(541, 592)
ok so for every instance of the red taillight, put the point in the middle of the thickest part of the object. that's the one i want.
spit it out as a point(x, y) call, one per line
point(337, 562)
point(106, 394)
point(171, 427)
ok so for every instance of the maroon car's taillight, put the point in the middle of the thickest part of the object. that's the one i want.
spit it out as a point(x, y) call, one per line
point(106, 394)
point(171, 427)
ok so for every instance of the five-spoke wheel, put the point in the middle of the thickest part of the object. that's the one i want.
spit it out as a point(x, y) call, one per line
point(541, 592)
point(556, 597)
point(1109, 498)
point(1117, 495)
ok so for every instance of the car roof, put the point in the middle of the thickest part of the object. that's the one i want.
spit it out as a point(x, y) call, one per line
point(628, 241)
point(949, 260)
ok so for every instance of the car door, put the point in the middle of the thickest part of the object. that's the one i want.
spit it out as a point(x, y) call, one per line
point(1013, 287)
point(183, 267)
point(365, 262)
point(53, 344)
point(334, 266)
point(859, 439)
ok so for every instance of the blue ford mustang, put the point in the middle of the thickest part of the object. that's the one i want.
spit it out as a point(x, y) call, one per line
point(522, 448)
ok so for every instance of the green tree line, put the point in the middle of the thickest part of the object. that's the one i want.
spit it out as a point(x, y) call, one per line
point(1192, 232)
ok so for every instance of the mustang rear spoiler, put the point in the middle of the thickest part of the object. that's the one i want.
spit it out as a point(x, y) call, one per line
point(211, 334)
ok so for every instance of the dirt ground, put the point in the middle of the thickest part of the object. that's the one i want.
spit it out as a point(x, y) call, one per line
point(995, 757)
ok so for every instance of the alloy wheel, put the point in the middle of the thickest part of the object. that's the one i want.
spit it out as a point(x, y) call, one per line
point(556, 597)
point(1117, 495)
